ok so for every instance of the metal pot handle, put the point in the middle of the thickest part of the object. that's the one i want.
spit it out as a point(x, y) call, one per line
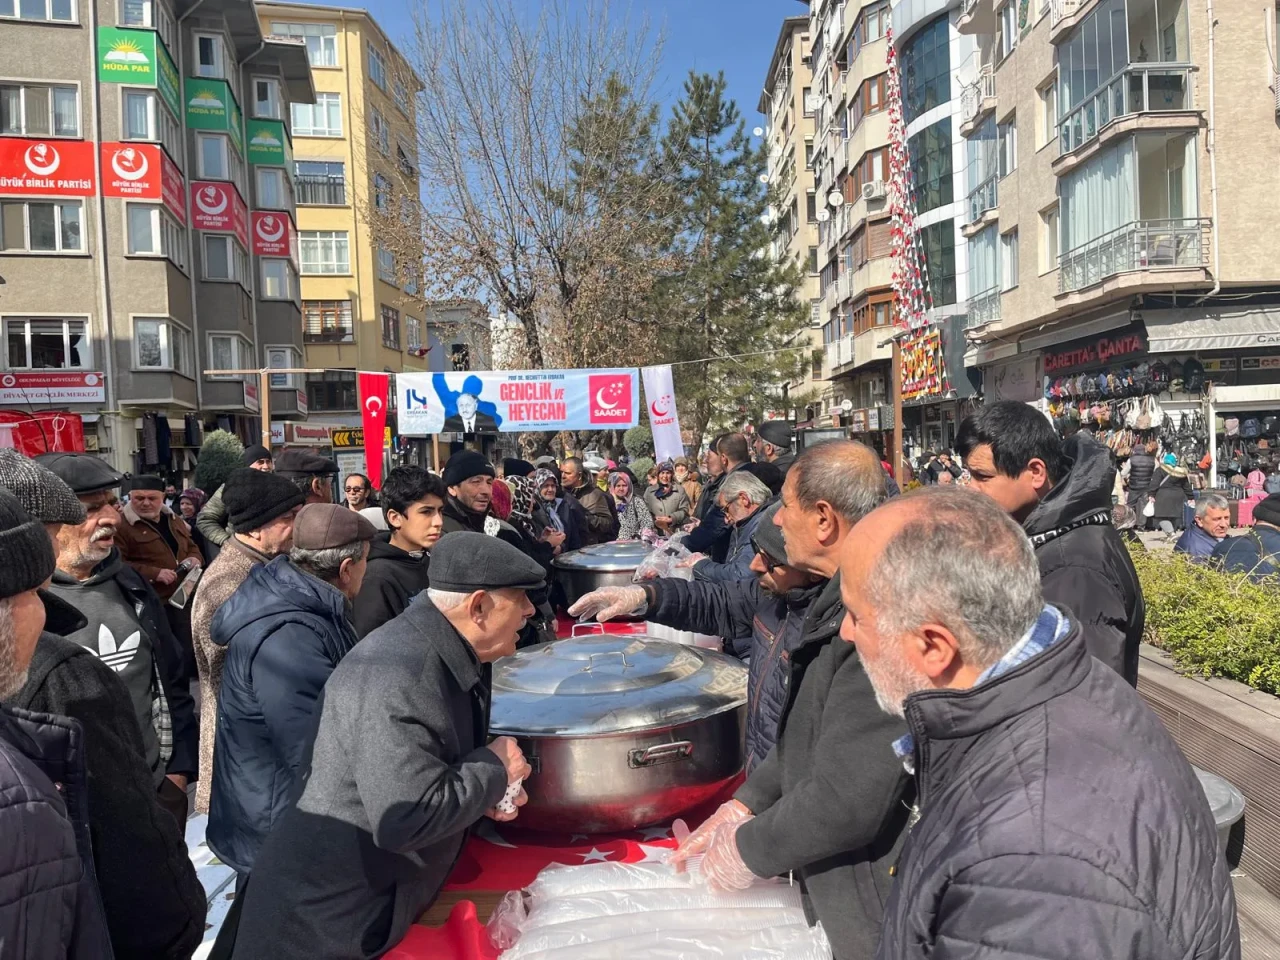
point(660, 753)
point(588, 628)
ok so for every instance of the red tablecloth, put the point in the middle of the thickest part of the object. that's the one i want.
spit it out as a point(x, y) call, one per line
point(565, 626)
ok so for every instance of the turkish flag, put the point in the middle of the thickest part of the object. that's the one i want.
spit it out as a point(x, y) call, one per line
point(373, 389)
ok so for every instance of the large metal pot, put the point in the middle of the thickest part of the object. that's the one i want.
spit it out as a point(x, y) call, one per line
point(621, 731)
point(600, 565)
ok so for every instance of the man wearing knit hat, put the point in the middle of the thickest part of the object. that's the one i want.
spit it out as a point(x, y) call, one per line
point(212, 520)
point(261, 507)
point(283, 630)
point(1257, 552)
point(51, 909)
point(468, 476)
point(400, 771)
point(152, 899)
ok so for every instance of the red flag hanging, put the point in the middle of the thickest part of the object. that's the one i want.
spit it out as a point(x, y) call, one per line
point(373, 407)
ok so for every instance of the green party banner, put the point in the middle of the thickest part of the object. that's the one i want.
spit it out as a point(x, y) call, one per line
point(167, 81)
point(127, 56)
point(267, 142)
point(212, 106)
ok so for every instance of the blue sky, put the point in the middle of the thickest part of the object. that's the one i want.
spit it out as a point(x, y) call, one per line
point(736, 36)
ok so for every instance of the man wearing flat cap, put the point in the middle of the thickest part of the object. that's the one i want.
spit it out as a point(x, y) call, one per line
point(775, 444)
point(312, 474)
point(127, 626)
point(284, 630)
point(400, 771)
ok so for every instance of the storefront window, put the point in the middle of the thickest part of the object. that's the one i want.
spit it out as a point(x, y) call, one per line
point(926, 69)
point(930, 151)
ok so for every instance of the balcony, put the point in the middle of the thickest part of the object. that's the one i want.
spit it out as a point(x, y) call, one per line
point(843, 287)
point(984, 308)
point(839, 352)
point(314, 333)
point(983, 199)
point(1140, 88)
point(320, 191)
point(1062, 13)
point(977, 99)
point(1140, 245)
point(977, 18)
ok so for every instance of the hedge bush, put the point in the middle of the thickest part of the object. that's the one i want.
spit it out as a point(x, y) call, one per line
point(1211, 623)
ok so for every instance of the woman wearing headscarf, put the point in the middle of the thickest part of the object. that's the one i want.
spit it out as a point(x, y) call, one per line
point(1170, 489)
point(565, 514)
point(633, 513)
point(190, 503)
point(687, 477)
point(667, 500)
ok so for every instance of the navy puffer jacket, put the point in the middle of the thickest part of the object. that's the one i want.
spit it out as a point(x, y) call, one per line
point(284, 631)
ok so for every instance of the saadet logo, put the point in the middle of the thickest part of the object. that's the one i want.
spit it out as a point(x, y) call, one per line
point(42, 159)
point(270, 228)
point(610, 397)
point(129, 164)
point(211, 200)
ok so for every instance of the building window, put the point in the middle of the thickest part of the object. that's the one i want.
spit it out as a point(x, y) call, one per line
point(381, 193)
point(404, 160)
point(939, 242)
point(210, 57)
point(925, 62)
point(377, 69)
point(282, 358)
point(161, 344)
point(225, 259)
point(320, 182)
point(808, 153)
point(151, 14)
point(61, 11)
point(390, 327)
point(811, 206)
point(412, 333)
point(1007, 33)
point(930, 152)
point(39, 110)
point(1049, 239)
point(46, 343)
point(327, 321)
point(228, 351)
point(145, 117)
point(1009, 259)
point(402, 98)
point(321, 40)
point(386, 265)
point(320, 119)
point(1007, 145)
point(213, 152)
point(379, 132)
point(266, 99)
point(278, 280)
point(151, 231)
point(42, 226)
point(273, 189)
point(813, 260)
point(324, 252)
point(1046, 114)
point(805, 94)
point(332, 390)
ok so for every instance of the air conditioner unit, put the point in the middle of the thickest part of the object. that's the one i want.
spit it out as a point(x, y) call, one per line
point(874, 190)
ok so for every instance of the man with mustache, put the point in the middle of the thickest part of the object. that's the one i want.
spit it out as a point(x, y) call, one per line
point(126, 626)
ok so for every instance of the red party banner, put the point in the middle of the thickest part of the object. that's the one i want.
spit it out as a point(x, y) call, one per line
point(142, 171)
point(173, 188)
point(373, 389)
point(216, 207)
point(51, 168)
point(273, 234)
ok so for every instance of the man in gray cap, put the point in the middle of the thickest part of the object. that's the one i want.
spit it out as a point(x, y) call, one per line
point(400, 772)
point(775, 443)
point(127, 627)
point(312, 474)
point(284, 630)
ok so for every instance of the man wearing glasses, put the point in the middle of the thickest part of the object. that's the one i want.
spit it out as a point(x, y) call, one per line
point(357, 489)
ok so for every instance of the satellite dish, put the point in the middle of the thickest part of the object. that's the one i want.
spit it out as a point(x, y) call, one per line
point(846, 405)
point(764, 178)
point(835, 198)
point(824, 214)
point(757, 132)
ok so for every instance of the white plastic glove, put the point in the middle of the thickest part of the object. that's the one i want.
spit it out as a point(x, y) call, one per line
point(609, 602)
point(722, 864)
point(696, 843)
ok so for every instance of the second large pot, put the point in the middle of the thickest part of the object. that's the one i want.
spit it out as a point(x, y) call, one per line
point(600, 565)
point(621, 732)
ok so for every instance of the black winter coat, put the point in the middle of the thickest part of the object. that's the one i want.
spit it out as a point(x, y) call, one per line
point(1057, 820)
point(711, 535)
point(1084, 565)
point(153, 902)
point(392, 578)
point(1142, 467)
point(778, 626)
point(49, 904)
point(284, 631)
point(831, 799)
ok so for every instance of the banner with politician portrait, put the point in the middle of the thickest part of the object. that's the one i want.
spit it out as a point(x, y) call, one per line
point(510, 401)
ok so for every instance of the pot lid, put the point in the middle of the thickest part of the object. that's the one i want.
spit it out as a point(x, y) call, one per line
point(605, 684)
point(616, 555)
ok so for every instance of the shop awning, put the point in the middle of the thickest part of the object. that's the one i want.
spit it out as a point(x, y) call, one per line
point(1192, 329)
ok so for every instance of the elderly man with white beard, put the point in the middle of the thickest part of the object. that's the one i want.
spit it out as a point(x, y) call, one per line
point(1055, 816)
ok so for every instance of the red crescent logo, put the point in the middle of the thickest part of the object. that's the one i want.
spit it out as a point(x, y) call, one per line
point(653, 408)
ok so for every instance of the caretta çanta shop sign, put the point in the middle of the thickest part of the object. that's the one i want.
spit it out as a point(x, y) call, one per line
point(50, 168)
point(1117, 346)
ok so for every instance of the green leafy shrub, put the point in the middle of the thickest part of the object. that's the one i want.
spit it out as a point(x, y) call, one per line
point(641, 466)
point(1211, 623)
point(638, 441)
point(220, 453)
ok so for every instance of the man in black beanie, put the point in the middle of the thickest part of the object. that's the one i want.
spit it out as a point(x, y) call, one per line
point(212, 520)
point(52, 909)
point(261, 507)
point(469, 479)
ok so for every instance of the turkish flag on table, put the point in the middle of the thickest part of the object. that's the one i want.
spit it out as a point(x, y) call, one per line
point(373, 389)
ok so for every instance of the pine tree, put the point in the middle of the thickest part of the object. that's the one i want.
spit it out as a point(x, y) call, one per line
point(220, 453)
point(727, 294)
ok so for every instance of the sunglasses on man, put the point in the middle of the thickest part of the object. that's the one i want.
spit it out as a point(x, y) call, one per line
point(771, 562)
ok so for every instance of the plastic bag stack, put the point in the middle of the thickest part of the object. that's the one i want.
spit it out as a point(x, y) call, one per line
point(646, 911)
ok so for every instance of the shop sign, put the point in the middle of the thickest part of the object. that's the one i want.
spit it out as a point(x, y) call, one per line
point(924, 370)
point(303, 407)
point(1221, 365)
point(268, 142)
point(1257, 363)
point(50, 168)
point(142, 171)
point(873, 419)
point(277, 434)
point(273, 234)
point(212, 106)
point(349, 437)
point(886, 417)
point(1015, 380)
point(310, 432)
point(251, 397)
point(60, 387)
point(1114, 347)
point(216, 207)
point(859, 421)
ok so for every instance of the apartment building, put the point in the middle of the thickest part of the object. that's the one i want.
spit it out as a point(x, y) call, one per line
point(144, 223)
point(354, 160)
point(1117, 208)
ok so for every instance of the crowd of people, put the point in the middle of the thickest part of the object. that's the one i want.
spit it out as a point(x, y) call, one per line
point(943, 747)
